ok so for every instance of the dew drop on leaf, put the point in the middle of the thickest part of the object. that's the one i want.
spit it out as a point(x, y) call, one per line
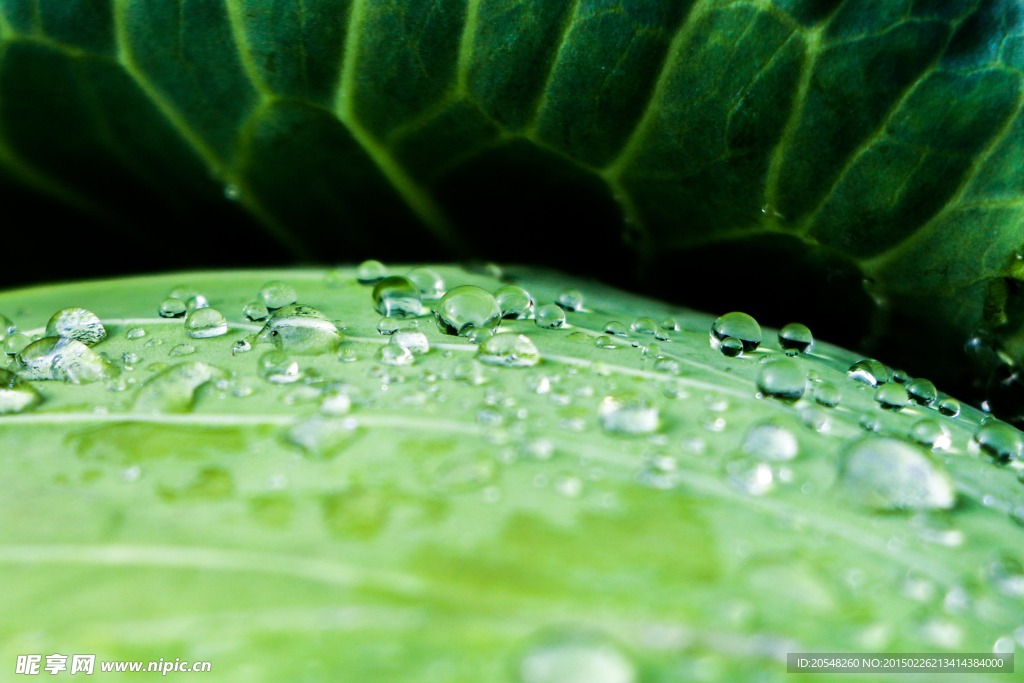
point(868, 371)
point(16, 395)
point(204, 323)
point(931, 434)
point(59, 358)
point(731, 347)
point(300, 330)
point(240, 346)
point(335, 401)
point(922, 392)
point(796, 338)
point(411, 339)
point(277, 294)
point(782, 379)
point(900, 376)
point(278, 367)
point(643, 325)
point(174, 390)
point(397, 297)
point(78, 324)
point(869, 423)
point(738, 326)
point(393, 354)
point(515, 302)
point(670, 325)
point(550, 316)
point(135, 333)
point(255, 312)
point(770, 441)
point(195, 303)
point(570, 299)
point(469, 372)
point(182, 350)
point(615, 328)
point(479, 335)
point(667, 366)
point(1000, 441)
point(889, 474)
point(949, 407)
point(171, 308)
point(429, 282)
point(467, 308)
point(628, 413)
point(604, 342)
point(387, 326)
point(510, 350)
point(321, 436)
point(576, 661)
point(15, 343)
point(827, 394)
point(892, 396)
point(7, 328)
point(370, 271)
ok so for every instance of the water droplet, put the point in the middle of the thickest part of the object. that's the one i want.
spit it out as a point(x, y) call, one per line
point(414, 340)
point(643, 326)
point(78, 324)
point(60, 358)
point(738, 326)
point(796, 338)
point(900, 376)
point(815, 418)
point(889, 474)
point(278, 367)
point(731, 347)
point(429, 283)
point(568, 486)
point(1000, 441)
point(300, 330)
point(667, 365)
point(782, 379)
point(174, 390)
point(550, 316)
point(255, 312)
point(515, 302)
point(467, 308)
point(892, 396)
point(135, 333)
point(770, 441)
point(204, 323)
point(392, 354)
point(232, 192)
point(827, 394)
point(670, 324)
point(949, 407)
point(277, 294)
point(195, 303)
point(15, 343)
point(922, 392)
point(510, 350)
point(868, 371)
point(479, 335)
point(931, 433)
point(614, 327)
point(397, 297)
point(322, 437)
point(576, 660)
point(755, 478)
point(336, 401)
point(370, 271)
point(240, 346)
point(7, 328)
point(469, 372)
point(869, 423)
point(628, 414)
point(570, 299)
point(1006, 574)
point(604, 342)
point(182, 350)
point(171, 308)
point(16, 395)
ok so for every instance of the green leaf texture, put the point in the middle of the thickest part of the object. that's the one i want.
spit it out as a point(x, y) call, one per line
point(805, 144)
point(466, 523)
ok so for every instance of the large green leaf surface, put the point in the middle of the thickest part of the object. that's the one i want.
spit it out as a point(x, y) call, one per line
point(808, 143)
point(471, 522)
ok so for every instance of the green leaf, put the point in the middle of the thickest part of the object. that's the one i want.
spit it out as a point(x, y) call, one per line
point(818, 143)
point(442, 520)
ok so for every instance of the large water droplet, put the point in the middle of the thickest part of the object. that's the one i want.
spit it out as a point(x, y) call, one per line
point(782, 379)
point(370, 271)
point(576, 661)
point(628, 413)
point(392, 354)
point(550, 316)
point(869, 371)
point(616, 328)
point(174, 390)
point(411, 339)
point(255, 312)
point(78, 324)
point(171, 308)
point(397, 297)
point(204, 323)
point(300, 330)
point(278, 367)
point(738, 326)
point(950, 407)
point(932, 434)
point(429, 283)
point(827, 394)
point(922, 392)
point(467, 308)
point(796, 338)
point(515, 302)
point(570, 299)
point(1000, 441)
point(16, 394)
point(63, 359)
point(892, 396)
point(643, 325)
point(889, 474)
point(510, 350)
point(7, 328)
point(770, 441)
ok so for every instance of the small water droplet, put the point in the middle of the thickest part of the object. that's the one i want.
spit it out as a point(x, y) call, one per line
point(15, 343)
point(171, 308)
point(510, 350)
point(737, 326)
point(667, 366)
point(628, 413)
point(932, 434)
point(392, 354)
point(900, 376)
point(576, 660)
point(869, 423)
point(949, 407)
point(731, 347)
point(370, 271)
point(277, 294)
point(827, 394)
point(397, 297)
point(469, 372)
point(429, 283)
point(889, 474)
point(78, 324)
point(614, 327)
point(643, 326)
point(604, 342)
point(232, 192)
point(922, 392)
point(568, 485)
point(195, 303)
point(60, 358)
point(182, 350)
point(7, 328)
point(240, 346)
point(796, 338)
point(868, 371)
point(755, 478)
point(782, 379)
point(515, 302)
point(411, 339)
point(336, 401)
point(670, 324)
point(570, 299)
point(135, 333)
point(255, 312)
point(322, 436)
point(278, 367)
point(479, 335)
point(204, 323)
point(815, 418)
point(16, 395)
point(770, 441)
point(550, 316)
point(174, 390)
point(1006, 574)
point(892, 396)
point(467, 308)
point(300, 330)
point(1000, 441)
